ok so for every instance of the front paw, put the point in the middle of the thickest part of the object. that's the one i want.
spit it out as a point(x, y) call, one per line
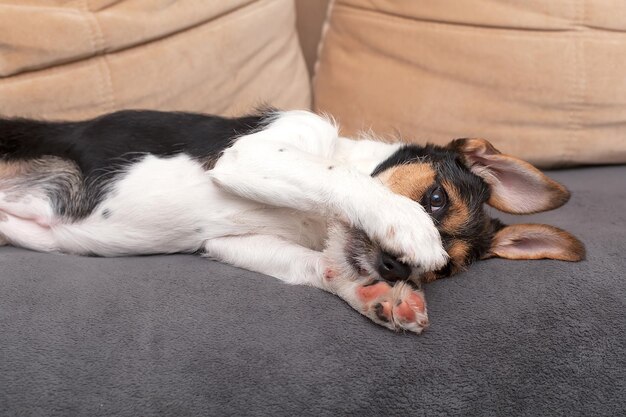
point(404, 229)
point(400, 307)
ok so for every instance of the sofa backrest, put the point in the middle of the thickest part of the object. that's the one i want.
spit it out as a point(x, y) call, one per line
point(540, 79)
point(63, 59)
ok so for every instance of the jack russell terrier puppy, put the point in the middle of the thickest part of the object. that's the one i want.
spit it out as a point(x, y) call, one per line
point(280, 193)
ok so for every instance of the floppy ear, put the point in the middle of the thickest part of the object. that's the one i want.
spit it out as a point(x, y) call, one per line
point(516, 186)
point(535, 241)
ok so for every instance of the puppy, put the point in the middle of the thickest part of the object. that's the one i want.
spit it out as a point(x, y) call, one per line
point(280, 193)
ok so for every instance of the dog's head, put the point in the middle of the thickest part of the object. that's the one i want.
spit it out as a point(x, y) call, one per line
point(453, 183)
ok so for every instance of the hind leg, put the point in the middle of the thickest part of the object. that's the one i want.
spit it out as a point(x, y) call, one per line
point(22, 190)
point(26, 233)
point(27, 206)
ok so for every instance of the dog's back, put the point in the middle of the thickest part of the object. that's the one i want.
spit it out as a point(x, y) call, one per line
point(131, 182)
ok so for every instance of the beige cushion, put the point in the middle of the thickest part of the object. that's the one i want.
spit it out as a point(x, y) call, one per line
point(65, 59)
point(311, 15)
point(542, 80)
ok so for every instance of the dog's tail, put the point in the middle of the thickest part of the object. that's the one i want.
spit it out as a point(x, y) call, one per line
point(28, 139)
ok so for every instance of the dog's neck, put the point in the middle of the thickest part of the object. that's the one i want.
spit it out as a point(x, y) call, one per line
point(364, 154)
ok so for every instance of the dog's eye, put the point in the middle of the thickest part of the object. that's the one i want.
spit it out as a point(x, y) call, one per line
point(437, 199)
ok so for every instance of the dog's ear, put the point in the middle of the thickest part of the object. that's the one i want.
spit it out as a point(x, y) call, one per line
point(516, 186)
point(535, 241)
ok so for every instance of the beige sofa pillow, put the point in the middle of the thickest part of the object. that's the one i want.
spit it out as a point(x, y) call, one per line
point(63, 59)
point(542, 80)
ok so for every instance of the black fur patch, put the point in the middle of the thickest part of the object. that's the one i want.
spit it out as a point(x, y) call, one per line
point(103, 147)
point(379, 311)
point(405, 155)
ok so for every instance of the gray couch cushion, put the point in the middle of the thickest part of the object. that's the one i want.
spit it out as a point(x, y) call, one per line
point(181, 335)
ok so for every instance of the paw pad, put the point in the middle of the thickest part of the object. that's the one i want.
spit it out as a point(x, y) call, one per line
point(329, 274)
point(398, 308)
point(383, 311)
point(371, 292)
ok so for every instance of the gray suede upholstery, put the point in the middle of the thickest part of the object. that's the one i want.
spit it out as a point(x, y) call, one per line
point(181, 335)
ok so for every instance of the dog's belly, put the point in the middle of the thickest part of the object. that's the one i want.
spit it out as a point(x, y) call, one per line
point(163, 205)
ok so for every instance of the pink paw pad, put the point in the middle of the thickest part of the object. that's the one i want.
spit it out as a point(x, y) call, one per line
point(329, 274)
point(383, 311)
point(404, 312)
point(417, 302)
point(371, 292)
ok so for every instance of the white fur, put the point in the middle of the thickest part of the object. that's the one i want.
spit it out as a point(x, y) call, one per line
point(265, 206)
point(299, 162)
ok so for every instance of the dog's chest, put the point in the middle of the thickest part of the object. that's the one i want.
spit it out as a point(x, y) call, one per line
point(173, 203)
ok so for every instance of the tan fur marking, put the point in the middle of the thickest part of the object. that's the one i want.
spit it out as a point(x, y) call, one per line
point(12, 169)
point(410, 180)
point(458, 252)
point(429, 277)
point(458, 212)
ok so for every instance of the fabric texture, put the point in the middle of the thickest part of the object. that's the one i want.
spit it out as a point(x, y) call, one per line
point(181, 335)
point(311, 16)
point(541, 80)
point(62, 59)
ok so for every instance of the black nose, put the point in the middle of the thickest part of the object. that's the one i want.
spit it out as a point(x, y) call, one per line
point(391, 269)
